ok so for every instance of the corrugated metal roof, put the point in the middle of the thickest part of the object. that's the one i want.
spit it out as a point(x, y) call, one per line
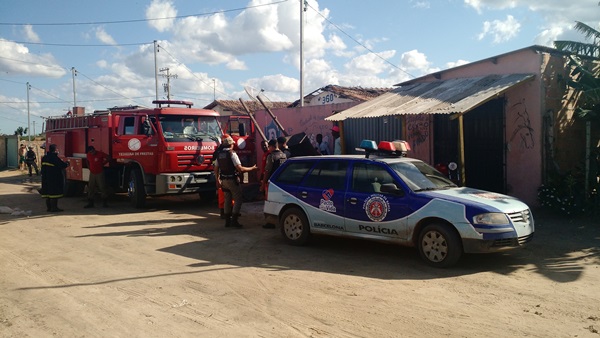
point(439, 97)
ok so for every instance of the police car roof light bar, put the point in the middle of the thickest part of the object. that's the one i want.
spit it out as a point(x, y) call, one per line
point(368, 146)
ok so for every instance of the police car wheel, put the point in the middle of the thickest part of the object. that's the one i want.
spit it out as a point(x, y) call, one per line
point(439, 245)
point(294, 226)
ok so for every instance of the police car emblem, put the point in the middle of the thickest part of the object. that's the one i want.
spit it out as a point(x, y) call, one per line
point(376, 207)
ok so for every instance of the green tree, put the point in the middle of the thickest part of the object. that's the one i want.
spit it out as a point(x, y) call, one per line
point(21, 131)
point(584, 78)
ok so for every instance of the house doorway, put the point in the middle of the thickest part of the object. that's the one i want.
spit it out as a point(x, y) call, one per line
point(484, 130)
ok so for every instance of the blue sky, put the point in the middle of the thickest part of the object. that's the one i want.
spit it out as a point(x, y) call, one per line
point(217, 48)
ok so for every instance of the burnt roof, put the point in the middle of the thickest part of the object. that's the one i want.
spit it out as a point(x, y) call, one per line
point(359, 94)
point(236, 107)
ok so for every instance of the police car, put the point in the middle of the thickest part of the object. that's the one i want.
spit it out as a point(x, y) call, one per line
point(389, 197)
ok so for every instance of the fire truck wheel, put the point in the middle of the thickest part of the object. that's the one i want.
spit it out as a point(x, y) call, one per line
point(135, 189)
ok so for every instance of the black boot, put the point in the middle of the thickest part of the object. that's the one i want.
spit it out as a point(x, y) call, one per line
point(222, 213)
point(90, 204)
point(227, 220)
point(54, 205)
point(234, 221)
point(48, 204)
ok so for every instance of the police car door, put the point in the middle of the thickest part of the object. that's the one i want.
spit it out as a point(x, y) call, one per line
point(369, 212)
point(323, 190)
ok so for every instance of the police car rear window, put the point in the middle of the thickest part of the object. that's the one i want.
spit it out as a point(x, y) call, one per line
point(293, 173)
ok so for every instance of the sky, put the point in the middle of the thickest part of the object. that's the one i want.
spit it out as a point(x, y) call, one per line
point(100, 54)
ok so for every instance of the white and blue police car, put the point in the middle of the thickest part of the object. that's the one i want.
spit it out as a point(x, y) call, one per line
point(389, 197)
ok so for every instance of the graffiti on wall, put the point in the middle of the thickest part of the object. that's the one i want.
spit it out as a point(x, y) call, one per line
point(522, 131)
point(417, 127)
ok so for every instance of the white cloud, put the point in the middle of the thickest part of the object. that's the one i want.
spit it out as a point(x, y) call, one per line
point(548, 36)
point(558, 16)
point(414, 60)
point(502, 31)
point(103, 36)
point(17, 60)
point(30, 35)
point(456, 63)
point(161, 9)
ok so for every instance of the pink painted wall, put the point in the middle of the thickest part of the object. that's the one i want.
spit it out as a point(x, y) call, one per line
point(310, 120)
point(524, 113)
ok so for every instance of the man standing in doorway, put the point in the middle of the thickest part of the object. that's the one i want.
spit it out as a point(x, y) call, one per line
point(96, 161)
point(337, 144)
point(227, 170)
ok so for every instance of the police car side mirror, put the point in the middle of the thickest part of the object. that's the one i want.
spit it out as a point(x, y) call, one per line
point(391, 188)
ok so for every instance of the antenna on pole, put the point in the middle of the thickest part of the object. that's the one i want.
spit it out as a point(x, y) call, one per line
point(167, 86)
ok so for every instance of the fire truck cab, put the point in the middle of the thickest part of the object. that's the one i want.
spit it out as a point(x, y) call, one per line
point(154, 151)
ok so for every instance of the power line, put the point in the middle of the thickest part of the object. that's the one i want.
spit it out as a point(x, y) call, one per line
point(103, 86)
point(138, 20)
point(192, 73)
point(80, 45)
point(359, 43)
point(32, 63)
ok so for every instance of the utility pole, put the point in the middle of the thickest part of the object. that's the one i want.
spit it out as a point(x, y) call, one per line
point(73, 74)
point(303, 5)
point(156, 69)
point(167, 86)
point(214, 91)
point(28, 118)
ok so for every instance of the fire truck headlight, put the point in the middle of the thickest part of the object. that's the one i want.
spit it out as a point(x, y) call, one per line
point(172, 178)
point(179, 178)
point(200, 159)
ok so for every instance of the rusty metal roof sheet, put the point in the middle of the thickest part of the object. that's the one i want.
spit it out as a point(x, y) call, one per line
point(439, 97)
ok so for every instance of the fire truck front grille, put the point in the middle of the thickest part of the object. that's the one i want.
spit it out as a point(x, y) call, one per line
point(187, 160)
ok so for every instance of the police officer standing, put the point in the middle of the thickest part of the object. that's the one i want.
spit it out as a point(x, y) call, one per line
point(227, 170)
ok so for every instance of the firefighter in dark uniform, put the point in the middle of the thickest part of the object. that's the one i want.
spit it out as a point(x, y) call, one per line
point(227, 170)
point(52, 178)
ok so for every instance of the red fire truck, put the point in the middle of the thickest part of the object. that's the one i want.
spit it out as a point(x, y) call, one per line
point(154, 151)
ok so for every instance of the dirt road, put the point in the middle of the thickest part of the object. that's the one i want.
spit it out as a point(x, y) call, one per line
point(173, 270)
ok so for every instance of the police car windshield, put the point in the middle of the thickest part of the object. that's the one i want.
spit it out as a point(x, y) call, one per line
point(420, 176)
point(185, 128)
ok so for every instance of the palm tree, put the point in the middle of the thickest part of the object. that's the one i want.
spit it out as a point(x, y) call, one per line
point(585, 80)
point(582, 48)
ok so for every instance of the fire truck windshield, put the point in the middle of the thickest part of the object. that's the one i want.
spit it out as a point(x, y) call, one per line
point(183, 128)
